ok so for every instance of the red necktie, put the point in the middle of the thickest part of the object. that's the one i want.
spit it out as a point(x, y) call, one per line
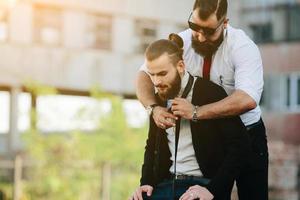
point(206, 67)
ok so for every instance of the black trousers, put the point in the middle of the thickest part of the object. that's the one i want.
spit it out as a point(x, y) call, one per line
point(164, 190)
point(252, 184)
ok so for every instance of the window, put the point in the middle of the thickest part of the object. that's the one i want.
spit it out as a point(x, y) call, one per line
point(262, 32)
point(272, 22)
point(99, 32)
point(298, 91)
point(293, 92)
point(3, 24)
point(288, 91)
point(48, 25)
point(4, 114)
point(281, 92)
point(294, 21)
point(146, 32)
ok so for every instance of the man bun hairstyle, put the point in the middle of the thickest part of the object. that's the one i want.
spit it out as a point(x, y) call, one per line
point(208, 7)
point(176, 39)
point(173, 47)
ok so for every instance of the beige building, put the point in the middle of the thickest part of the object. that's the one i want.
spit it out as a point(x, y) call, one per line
point(76, 44)
point(274, 25)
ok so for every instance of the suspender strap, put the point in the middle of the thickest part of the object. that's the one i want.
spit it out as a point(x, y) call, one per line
point(186, 91)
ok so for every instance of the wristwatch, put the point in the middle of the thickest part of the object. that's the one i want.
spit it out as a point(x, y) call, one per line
point(194, 117)
point(150, 108)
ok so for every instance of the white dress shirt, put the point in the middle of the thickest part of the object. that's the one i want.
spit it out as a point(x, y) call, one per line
point(236, 65)
point(186, 160)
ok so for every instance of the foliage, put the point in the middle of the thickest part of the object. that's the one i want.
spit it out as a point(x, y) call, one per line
point(69, 166)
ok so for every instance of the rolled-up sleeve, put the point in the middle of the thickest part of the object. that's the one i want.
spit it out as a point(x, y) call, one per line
point(248, 70)
point(143, 67)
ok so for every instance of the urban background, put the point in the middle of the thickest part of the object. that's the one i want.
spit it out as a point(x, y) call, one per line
point(70, 124)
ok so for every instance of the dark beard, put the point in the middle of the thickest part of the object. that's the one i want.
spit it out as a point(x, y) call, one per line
point(207, 48)
point(173, 91)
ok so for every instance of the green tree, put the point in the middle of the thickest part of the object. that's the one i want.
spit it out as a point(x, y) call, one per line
point(68, 166)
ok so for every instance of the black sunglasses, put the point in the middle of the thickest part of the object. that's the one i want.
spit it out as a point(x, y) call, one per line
point(207, 32)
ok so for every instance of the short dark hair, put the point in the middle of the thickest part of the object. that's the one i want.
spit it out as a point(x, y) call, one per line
point(208, 7)
point(173, 47)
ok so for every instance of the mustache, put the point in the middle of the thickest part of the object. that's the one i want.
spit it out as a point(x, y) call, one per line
point(160, 86)
point(206, 48)
point(196, 41)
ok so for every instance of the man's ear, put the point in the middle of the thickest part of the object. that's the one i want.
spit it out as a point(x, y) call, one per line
point(180, 67)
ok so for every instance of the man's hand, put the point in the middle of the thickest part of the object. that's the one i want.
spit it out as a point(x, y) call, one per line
point(197, 192)
point(183, 108)
point(163, 119)
point(137, 195)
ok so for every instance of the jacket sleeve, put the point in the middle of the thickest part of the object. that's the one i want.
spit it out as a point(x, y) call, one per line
point(147, 167)
point(236, 143)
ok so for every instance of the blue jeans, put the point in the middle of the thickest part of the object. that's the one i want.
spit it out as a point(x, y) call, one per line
point(164, 190)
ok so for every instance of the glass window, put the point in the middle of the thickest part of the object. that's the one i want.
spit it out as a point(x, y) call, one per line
point(4, 114)
point(99, 31)
point(294, 28)
point(262, 32)
point(272, 21)
point(3, 24)
point(298, 91)
point(288, 91)
point(48, 25)
point(146, 31)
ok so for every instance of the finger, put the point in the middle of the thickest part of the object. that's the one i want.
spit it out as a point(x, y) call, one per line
point(185, 196)
point(147, 189)
point(179, 99)
point(135, 196)
point(194, 187)
point(163, 126)
point(139, 195)
point(178, 113)
point(167, 122)
point(150, 190)
point(174, 108)
point(159, 123)
point(168, 115)
point(175, 101)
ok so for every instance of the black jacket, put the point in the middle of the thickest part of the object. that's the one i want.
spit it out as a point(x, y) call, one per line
point(221, 145)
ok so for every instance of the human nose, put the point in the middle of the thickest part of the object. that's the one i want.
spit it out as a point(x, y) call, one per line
point(156, 80)
point(200, 36)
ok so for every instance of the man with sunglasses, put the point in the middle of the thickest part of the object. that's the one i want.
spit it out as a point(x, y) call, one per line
point(228, 57)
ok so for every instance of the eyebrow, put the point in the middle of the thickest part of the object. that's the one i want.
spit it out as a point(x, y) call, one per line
point(206, 27)
point(159, 73)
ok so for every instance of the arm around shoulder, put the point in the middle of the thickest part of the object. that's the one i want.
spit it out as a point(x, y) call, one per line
point(144, 89)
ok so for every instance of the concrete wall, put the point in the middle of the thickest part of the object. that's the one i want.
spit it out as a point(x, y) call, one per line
point(62, 66)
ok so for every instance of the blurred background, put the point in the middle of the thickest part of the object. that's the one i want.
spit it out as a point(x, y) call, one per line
point(70, 124)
